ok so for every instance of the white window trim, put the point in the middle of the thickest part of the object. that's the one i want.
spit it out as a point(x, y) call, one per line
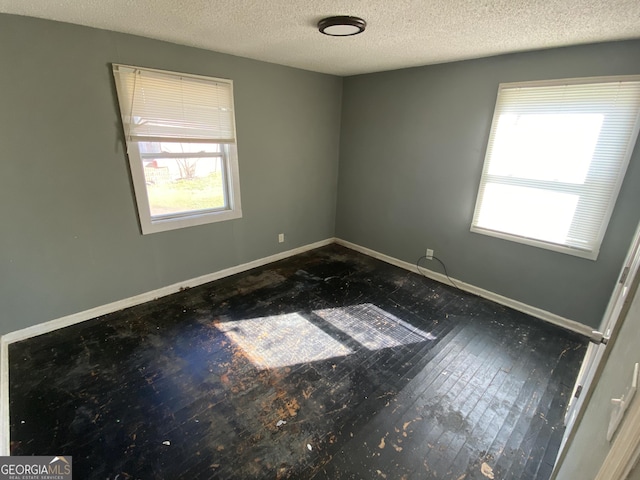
point(148, 224)
point(591, 255)
point(588, 254)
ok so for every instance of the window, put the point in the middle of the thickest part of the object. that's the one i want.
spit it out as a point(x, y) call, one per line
point(555, 161)
point(181, 143)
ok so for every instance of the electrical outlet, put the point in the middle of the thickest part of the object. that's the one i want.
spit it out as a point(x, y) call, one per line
point(281, 238)
point(429, 254)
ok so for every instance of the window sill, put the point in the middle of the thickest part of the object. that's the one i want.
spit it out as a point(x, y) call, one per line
point(162, 225)
point(590, 255)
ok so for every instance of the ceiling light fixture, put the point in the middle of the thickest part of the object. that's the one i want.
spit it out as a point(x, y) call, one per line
point(341, 26)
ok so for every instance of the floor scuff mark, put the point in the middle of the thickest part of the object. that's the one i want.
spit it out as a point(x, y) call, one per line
point(486, 470)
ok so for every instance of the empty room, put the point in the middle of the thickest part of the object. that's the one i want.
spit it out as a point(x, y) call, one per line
point(361, 240)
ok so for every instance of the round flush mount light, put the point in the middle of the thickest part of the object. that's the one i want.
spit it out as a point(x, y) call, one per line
point(342, 26)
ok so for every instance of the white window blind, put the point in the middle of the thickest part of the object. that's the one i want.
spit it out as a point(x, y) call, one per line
point(174, 107)
point(556, 158)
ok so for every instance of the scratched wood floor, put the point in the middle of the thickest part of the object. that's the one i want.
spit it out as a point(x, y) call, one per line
point(328, 365)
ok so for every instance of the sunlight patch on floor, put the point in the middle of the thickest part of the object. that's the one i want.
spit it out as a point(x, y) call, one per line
point(372, 327)
point(282, 340)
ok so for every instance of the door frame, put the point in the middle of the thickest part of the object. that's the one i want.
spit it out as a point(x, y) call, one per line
point(598, 353)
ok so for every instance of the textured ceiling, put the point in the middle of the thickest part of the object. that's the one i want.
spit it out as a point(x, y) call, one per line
point(400, 33)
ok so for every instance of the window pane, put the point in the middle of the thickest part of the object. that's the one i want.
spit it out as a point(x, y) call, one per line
point(528, 212)
point(181, 144)
point(555, 160)
point(552, 147)
point(181, 185)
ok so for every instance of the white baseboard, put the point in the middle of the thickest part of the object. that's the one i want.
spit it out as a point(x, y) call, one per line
point(85, 315)
point(494, 297)
point(68, 320)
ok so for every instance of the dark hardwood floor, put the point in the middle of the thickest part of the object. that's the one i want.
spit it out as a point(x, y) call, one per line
point(329, 365)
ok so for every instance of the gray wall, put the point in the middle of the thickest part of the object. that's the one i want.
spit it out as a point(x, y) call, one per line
point(70, 236)
point(589, 447)
point(411, 155)
point(411, 150)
